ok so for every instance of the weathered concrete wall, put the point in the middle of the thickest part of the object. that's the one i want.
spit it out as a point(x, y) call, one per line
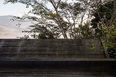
point(54, 58)
point(44, 49)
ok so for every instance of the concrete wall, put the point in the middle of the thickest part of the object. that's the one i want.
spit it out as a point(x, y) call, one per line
point(49, 49)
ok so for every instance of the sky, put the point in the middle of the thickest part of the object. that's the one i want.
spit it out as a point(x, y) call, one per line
point(9, 29)
point(16, 9)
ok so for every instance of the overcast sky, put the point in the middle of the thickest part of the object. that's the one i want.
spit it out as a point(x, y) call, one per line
point(9, 29)
point(16, 9)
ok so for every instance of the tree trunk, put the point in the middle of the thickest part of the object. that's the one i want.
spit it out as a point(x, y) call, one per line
point(114, 6)
point(106, 55)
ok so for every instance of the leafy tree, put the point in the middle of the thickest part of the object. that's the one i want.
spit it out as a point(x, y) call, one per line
point(92, 12)
point(110, 40)
point(104, 24)
point(85, 31)
point(102, 15)
point(60, 19)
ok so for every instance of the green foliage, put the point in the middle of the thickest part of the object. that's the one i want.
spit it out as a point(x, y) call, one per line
point(104, 24)
point(93, 48)
point(42, 36)
point(111, 52)
point(49, 32)
point(110, 33)
point(102, 14)
point(85, 31)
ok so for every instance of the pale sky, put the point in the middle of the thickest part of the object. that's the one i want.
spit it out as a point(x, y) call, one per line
point(6, 10)
point(9, 29)
point(16, 9)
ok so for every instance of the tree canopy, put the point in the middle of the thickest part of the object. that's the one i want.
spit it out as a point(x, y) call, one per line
point(66, 18)
point(58, 20)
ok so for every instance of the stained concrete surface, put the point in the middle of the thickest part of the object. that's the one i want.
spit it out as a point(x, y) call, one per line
point(56, 73)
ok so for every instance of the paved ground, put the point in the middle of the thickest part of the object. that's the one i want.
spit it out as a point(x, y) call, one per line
point(57, 73)
point(59, 68)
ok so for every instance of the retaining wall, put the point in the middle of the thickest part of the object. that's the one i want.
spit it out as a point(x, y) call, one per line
point(49, 49)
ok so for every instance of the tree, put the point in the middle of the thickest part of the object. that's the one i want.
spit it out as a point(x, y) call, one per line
point(85, 31)
point(104, 24)
point(103, 15)
point(58, 20)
